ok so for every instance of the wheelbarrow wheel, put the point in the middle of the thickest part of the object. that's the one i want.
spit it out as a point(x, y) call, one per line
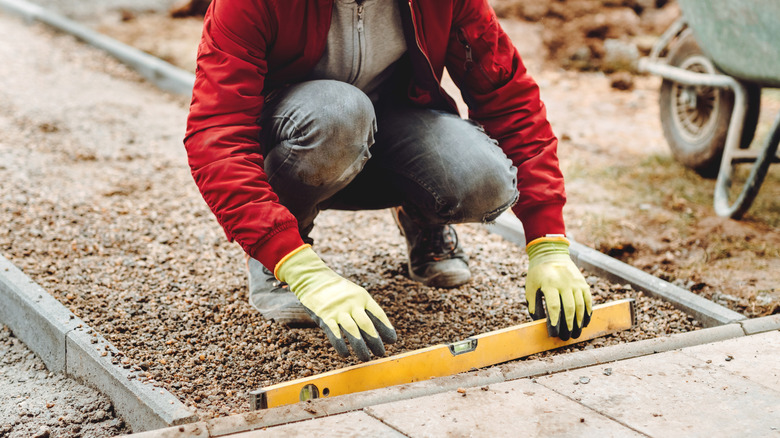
point(695, 119)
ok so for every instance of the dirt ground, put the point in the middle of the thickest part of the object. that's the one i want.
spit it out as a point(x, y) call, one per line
point(627, 196)
point(104, 215)
point(574, 32)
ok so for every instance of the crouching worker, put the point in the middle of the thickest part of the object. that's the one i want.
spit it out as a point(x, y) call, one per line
point(306, 105)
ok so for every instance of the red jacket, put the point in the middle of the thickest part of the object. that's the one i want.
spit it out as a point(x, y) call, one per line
point(249, 47)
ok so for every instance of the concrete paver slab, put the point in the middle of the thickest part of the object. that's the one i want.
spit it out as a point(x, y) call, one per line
point(673, 394)
point(352, 424)
point(755, 357)
point(513, 409)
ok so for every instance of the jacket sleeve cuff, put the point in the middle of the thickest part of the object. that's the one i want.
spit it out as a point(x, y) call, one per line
point(270, 252)
point(540, 220)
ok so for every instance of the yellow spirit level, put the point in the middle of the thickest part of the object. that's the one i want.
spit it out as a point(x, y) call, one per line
point(443, 360)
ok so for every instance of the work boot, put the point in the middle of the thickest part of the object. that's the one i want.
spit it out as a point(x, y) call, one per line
point(435, 257)
point(273, 298)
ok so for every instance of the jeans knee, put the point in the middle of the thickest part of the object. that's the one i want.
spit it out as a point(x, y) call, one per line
point(500, 205)
point(346, 115)
point(487, 210)
point(483, 200)
point(324, 140)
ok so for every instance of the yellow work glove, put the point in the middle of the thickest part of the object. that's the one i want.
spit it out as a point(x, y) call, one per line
point(566, 293)
point(336, 304)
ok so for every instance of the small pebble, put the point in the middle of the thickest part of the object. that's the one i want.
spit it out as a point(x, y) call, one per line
point(44, 432)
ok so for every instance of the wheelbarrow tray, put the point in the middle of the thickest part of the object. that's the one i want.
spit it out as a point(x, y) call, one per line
point(742, 37)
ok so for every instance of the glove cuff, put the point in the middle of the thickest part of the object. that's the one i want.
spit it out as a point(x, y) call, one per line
point(288, 257)
point(547, 249)
point(548, 238)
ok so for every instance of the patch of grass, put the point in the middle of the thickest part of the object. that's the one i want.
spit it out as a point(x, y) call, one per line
point(599, 231)
point(654, 182)
point(659, 180)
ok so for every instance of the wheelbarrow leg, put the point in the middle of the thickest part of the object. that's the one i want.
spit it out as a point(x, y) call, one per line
point(735, 210)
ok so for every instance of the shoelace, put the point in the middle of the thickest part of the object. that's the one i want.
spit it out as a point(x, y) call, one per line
point(274, 282)
point(433, 240)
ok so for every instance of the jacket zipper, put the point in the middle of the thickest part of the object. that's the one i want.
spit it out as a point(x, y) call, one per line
point(425, 55)
point(469, 63)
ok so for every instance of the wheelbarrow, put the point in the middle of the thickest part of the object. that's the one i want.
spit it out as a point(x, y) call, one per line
point(714, 61)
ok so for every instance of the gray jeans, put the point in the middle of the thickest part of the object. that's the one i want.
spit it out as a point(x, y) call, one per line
point(328, 146)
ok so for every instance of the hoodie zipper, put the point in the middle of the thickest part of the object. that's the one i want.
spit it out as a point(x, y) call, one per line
point(360, 18)
point(360, 51)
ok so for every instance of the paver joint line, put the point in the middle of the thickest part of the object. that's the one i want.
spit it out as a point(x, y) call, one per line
point(594, 410)
point(367, 410)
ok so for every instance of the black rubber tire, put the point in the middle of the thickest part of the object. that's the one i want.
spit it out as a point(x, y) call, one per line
point(697, 135)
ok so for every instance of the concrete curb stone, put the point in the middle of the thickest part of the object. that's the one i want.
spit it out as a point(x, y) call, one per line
point(43, 332)
point(163, 74)
point(760, 325)
point(705, 311)
point(34, 316)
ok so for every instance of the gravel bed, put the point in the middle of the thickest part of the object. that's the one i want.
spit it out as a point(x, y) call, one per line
point(99, 208)
point(38, 403)
point(183, 323)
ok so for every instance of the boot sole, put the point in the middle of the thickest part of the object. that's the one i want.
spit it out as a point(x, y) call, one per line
point(291, 317)
point(291, 314)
